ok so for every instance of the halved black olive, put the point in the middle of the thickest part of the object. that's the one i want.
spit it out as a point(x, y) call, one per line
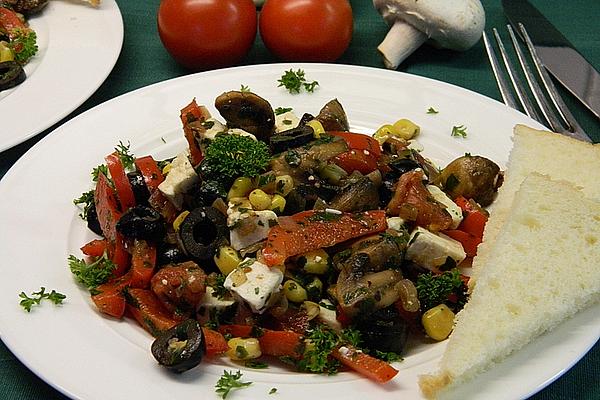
point(291, 138)
point(202, 232)
point(384, 330)
point(180, 348)
point(93, 223)
point(138, 185)
point(169, 254)
point(207, 192)
point(142, 222)
point(11, 74)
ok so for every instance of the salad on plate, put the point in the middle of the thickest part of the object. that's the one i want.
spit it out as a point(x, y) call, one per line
point(280, 236)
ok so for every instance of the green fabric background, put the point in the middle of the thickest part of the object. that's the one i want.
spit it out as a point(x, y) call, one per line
point(144, 61)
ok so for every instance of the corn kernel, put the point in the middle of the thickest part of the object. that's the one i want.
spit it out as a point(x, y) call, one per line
point(259, 200)
point(243, 349)
point(240, 188)
point(277, 203)
point(438, 322)
point(406, 129)
point(177, 222)
point(294, 292)
point(317, 262)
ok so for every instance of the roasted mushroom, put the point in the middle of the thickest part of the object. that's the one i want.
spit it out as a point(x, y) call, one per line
point(11, 74)
point(358, 195)
point(247, 111)
point(333, 117)
point(473, 177)
point(367, 282)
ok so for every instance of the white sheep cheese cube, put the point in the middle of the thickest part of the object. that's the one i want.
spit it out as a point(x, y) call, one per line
point(254, 283)
point(396, 223)
point(248, 227)
point(431, 250)
point(285, 121)
point(328, 316)
point(179, 180)
point(453, 209)
point(213, 128)
point(211, 304)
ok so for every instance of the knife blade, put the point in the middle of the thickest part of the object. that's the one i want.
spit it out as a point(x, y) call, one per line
point(558, 55)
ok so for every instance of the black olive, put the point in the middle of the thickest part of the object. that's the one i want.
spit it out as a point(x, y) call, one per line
point(384, 330)
point(169, 254)
point(138, 185)
point(207, 193)
point(403, 165)
point(11, 74)
point(291, 138)
point(142, 222)
point(180, 348)
point(202, 232)
point(93, 223)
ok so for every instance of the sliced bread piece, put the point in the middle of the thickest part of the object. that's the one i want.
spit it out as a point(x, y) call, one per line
point(541, 269)
point(548, 153)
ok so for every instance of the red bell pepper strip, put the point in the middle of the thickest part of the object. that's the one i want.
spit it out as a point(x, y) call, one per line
point(469, 242)
point(143, 261)
point(153, 176)
point(149, 312)
point(272, 343)
point(371, 367)
point(119, 177)
point(358, 141)
point(215, 342)
point(312, 230)
point(109, 298)
point(108, 216)
point(9, 21)
point(356, 160)
point(190, 113)
point(94, 248)
point(107, 207)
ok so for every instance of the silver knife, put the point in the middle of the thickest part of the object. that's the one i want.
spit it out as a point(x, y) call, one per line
point(558, 55)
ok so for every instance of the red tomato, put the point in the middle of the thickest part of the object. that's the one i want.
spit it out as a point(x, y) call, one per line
point(306, 30)
point(209, 33)
point(356, 160)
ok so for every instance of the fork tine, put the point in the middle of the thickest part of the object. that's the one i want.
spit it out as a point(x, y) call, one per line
point(503, 85)
point(518, 85)
point(575, 130)
point(536, 90)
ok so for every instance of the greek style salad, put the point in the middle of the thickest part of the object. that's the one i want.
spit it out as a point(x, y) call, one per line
point(283, 237)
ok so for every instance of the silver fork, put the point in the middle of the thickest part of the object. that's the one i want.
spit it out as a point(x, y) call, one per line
point(555, 116)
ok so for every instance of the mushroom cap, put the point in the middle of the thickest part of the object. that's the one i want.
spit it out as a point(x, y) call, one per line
point(453, 24)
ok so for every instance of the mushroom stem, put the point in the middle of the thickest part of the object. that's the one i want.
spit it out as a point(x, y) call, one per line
point(400, 42)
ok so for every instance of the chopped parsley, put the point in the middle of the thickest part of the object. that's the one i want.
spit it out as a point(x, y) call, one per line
point(282, 110)
point(459, 131)
point(87, 201)
point(295, 81)
point(432, 110)
point(229, 381)
point(127, 159)
point(244, 89)
point(254, 364)
point(446, 288)
point(273, 391)
point(28, 302)
point(93, 274)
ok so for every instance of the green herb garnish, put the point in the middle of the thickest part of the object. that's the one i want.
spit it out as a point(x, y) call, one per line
point(447, 288)
point(294, 81)
point(127, 159)
point(282, 110)
point(229, 381)
point(230, 156)
point(23, 44)
point(244, 89)
point(459, 131)
point(28, 302)
point(93, 274)
point(432, 110)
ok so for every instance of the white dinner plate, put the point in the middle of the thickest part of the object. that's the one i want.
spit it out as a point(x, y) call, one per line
point(78, 45)
point(88, 356)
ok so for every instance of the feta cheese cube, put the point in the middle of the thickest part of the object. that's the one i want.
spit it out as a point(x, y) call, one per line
point(396, 223)
point(431, 250)
point(285, 121)
point(179, 180)
point(452, 208)
point(249, 227)
point(260, 284)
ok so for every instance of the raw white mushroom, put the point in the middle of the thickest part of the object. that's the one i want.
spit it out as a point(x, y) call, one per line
point(452, 24)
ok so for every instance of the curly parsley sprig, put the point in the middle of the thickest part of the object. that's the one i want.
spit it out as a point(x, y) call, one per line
point(28, 302)
point(93, 274)
point(229, 381)
point(294, 81)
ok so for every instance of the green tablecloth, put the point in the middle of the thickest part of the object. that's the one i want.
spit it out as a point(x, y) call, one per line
point(144, 61)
